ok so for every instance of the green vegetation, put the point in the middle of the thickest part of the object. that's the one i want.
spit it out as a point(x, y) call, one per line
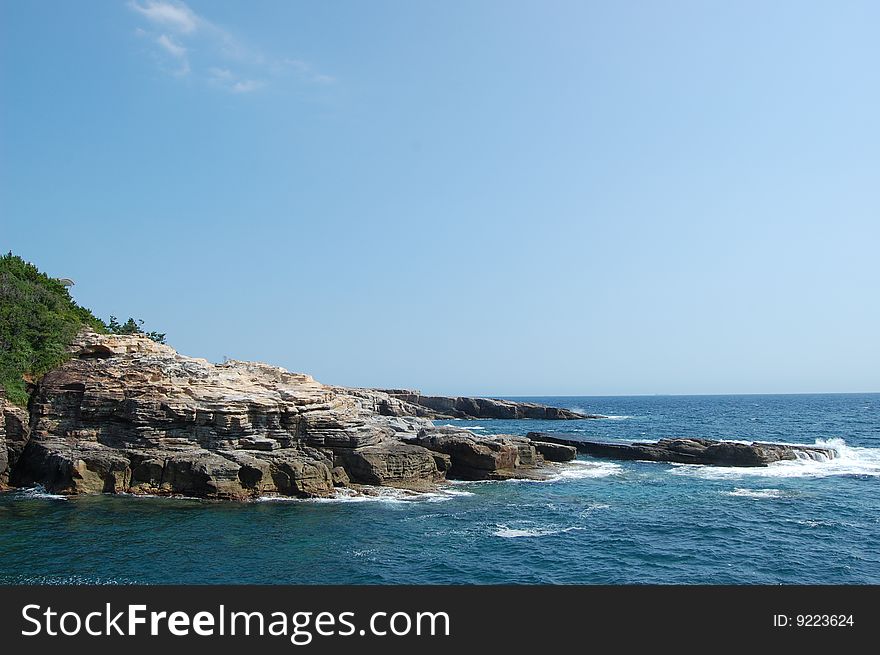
point(132, 326)
point(38, 320)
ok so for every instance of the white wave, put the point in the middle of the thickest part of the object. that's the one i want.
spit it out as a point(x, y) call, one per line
point(582, 410)
point(756, 493)
point(574, 470)
point(513, 533)
point(579, 469)
point(456, 492)
point(38, 491)
point(364, 553)
point(375, 495)
point(850, 460)
point(815, 524)
point(592, 507)
point(143, 496)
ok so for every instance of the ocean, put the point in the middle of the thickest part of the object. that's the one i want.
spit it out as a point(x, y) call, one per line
point(596, 522)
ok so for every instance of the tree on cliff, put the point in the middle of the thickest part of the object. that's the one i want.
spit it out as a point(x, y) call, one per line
point(132, 326)
point(38, 320)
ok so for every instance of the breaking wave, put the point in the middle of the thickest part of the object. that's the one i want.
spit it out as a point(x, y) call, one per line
point(573, 470)
point(756, 493)
point(850, 461)
point(506, 532)
point(38, 491)
point(375, 495)
point(579, 469)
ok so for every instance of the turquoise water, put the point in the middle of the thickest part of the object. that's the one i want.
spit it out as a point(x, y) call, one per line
point(597, 522)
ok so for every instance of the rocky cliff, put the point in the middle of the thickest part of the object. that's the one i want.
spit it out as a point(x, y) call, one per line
point(13, 436)
point(126, 414)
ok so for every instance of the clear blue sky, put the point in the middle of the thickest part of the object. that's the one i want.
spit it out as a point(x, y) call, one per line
point(466, 197)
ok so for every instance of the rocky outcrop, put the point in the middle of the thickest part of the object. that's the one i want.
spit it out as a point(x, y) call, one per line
point(13, 436)
point(694, 451)
point(403, 402)
point(555, 452)
point(479, 458)
point(394, 464)
point(125, 414)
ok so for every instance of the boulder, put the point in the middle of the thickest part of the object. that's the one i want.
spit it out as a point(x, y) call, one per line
point(482, 458)
point(340, 477)
point(391, 464)
point(554, 452)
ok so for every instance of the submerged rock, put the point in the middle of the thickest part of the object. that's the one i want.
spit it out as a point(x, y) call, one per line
point(694, 451)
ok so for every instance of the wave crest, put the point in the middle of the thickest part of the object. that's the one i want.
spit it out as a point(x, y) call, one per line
point(850, 461)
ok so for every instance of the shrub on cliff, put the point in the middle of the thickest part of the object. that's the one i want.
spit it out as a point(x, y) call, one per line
point(132, 326)
point(38, 320)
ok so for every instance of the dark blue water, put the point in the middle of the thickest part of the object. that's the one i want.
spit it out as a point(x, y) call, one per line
point(597, 522)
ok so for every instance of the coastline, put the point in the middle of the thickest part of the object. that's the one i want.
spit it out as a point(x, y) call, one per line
point(125, 414)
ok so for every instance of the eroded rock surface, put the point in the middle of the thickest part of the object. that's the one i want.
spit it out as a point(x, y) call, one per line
point(125, 414)
point(13, 436)
point(479, 458)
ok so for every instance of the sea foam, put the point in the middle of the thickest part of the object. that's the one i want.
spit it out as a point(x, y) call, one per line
point(506, 532)
point(850, 460)
point(375, 495)
point(38, 491)
point(756, 494)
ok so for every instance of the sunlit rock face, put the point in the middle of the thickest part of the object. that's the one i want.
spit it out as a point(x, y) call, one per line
point(126, 414)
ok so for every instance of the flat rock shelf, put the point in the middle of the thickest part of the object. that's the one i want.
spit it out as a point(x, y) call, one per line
point(712, 452)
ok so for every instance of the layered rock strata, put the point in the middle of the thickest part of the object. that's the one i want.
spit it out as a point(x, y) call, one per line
point(125, 414)
point(694, 451)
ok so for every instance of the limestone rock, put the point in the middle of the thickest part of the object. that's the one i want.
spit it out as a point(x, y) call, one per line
point(482, 458)
point(125, 414)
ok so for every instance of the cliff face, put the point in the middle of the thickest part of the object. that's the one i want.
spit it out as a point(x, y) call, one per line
point(13, 436)
point(125, 414)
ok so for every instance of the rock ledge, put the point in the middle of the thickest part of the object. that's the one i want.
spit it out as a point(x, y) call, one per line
point(694, 451)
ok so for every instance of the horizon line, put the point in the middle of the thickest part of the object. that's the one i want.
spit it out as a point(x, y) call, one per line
point(650, 395)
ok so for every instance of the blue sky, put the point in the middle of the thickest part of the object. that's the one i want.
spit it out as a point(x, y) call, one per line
point(480, 198)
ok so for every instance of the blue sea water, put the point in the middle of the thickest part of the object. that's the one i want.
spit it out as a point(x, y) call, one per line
point(595, 522)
